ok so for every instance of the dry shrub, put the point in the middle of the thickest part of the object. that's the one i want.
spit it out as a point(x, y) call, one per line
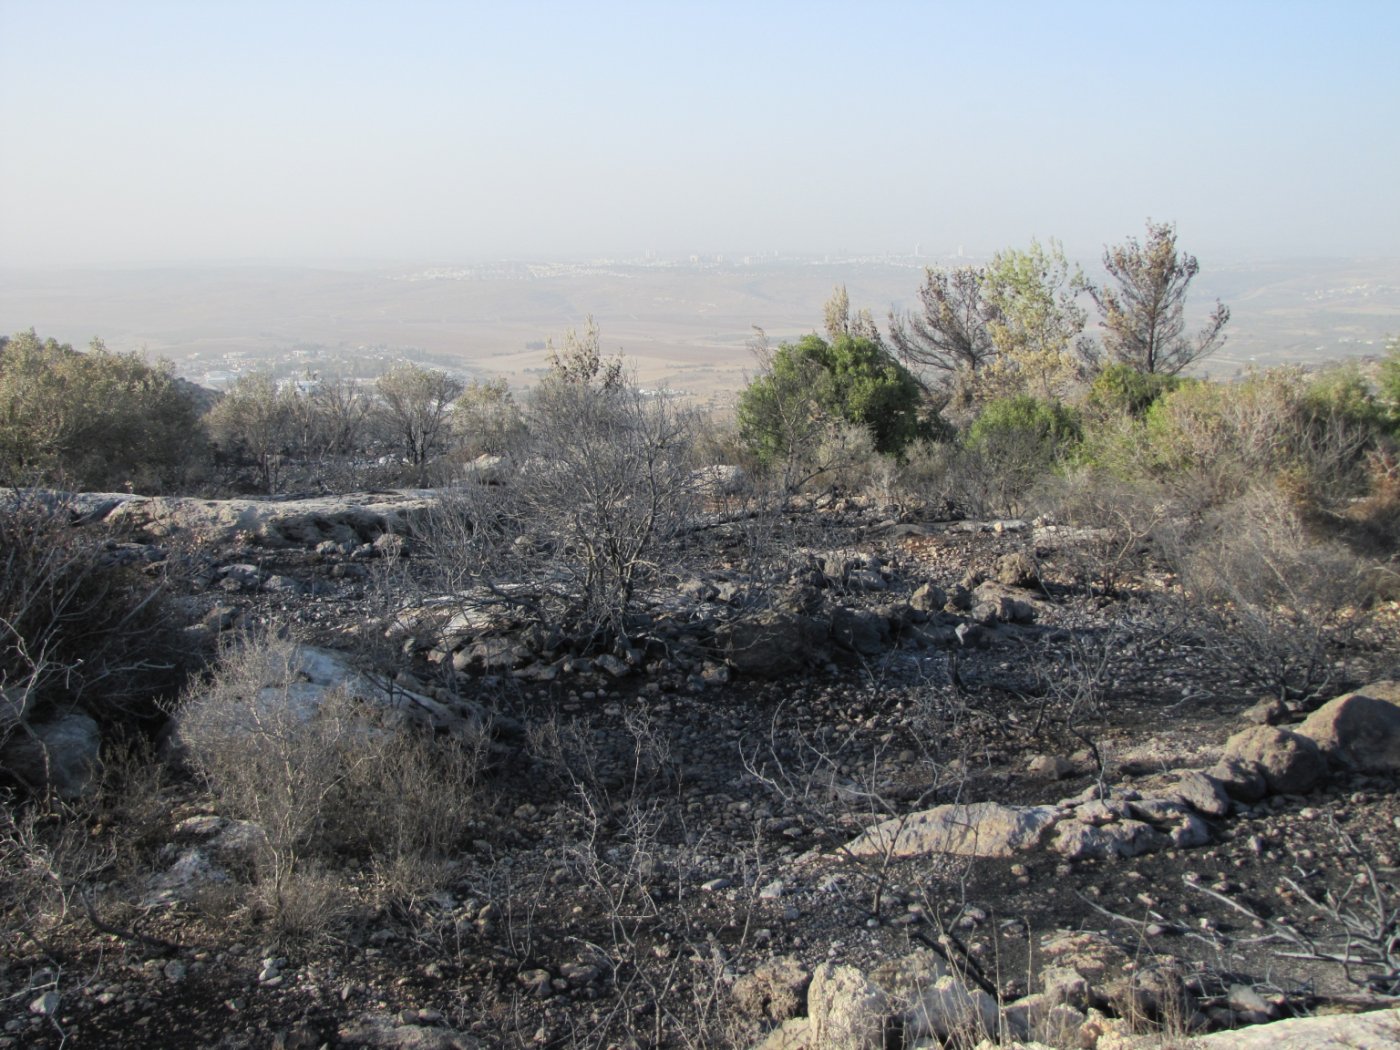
point(1289, 600)
point(76, 629)
point(325, 777)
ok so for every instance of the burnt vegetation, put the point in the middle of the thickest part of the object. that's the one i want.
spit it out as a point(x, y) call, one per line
point(977, 678)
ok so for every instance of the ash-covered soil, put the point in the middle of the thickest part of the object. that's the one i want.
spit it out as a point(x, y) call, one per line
point(644, 840)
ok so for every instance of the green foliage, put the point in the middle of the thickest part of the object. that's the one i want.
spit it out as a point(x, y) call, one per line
point(1120, 389)
point(1048, 425)
point(1013, 446)
point(1037, 325)
point(1389, 381)
point(94, 420)
point(1210, 441)
point(812, 385)
point(486, 420)
point(1342, 395)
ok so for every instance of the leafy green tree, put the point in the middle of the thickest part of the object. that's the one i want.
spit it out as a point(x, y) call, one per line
point(1120, 389)
point(810, 386)
point(1143, 312)
point(257, 418)
point(93, 420)
point(1389, 381)
point(1036, 325)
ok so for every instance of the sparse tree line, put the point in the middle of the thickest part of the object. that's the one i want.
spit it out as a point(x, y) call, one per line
point(996, 364)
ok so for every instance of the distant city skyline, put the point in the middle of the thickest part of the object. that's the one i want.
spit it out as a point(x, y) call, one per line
point(153, 133)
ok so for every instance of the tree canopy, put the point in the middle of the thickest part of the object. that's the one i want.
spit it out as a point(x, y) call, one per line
point(1142, 311)
point(811, 384)
point(98, 420)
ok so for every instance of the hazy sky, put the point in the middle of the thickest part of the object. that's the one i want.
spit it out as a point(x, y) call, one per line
point(217, 130)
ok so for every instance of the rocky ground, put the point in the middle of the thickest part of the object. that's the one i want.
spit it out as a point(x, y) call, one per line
point(927, 757)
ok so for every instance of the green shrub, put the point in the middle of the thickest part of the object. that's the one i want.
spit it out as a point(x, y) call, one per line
point(811, 388)
point(1013, 446)
point(94, 420)
point(1121, 389)
point(1048, 427)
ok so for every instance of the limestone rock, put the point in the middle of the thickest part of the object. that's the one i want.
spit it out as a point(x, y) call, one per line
point(979, 829)
point(1045, 1019)
point(793, 1034)
point(1076, 839)
point(1373, 1031)
point(1016, 569)
point(1201, 791)
point(61, 754)
point(847, 1011)
point(1290, 763)
point(776, 989)
point(994, 602)
point(929, 598)
point(1359, 730)
point(1241, 779)
point(949, 1009)
point(859, 630)
point(774, 644)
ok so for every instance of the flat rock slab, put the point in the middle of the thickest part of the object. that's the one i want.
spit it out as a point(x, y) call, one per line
point(354, 518)
point(1373, 1031)
point(979, 829)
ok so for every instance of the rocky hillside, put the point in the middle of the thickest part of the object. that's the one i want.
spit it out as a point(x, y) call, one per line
point(850, 778)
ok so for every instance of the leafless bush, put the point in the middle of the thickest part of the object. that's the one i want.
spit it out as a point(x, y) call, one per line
point(1287, 600)
point(598, 495)
point(322, 775)
point(75, 628)
point(1120, 521)
point(1355, 927)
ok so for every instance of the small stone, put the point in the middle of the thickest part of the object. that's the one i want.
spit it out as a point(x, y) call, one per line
point(46, 1005)
point(175, 970)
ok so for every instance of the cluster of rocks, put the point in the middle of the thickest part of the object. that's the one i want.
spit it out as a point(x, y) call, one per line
point(837, 611)
point(1358, 731)
point(350, 520)
point(1094, 995)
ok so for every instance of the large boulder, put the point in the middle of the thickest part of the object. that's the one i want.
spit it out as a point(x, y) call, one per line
point(348, 519)
point(1078, 839)
point(861, 631)
point(60, 754)
point(1359, 730)
point(847, 1010)
point(1289, 763)
point(979, 829)
point(1373, 1031)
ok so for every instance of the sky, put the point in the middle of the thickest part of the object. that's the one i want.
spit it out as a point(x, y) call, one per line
point(306, 132)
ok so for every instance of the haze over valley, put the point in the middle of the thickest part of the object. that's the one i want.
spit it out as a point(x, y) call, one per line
point(685, 323)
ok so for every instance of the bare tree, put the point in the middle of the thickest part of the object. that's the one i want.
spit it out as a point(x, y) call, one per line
point(1144, 316)
point(341, 406)
point(950, 338)
point(600, 488)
